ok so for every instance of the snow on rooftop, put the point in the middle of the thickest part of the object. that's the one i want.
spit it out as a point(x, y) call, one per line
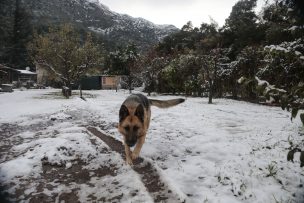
point(27, 72)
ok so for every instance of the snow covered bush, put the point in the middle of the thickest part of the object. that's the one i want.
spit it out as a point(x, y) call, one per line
point(286, 60)
point(292, 101)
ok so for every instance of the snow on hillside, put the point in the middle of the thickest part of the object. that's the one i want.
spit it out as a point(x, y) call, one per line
point(229, 151)
point(97, 17)
point(127, 22)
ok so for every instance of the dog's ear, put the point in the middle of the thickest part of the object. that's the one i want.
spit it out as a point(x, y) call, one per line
point(139, 112)
point(123, 113)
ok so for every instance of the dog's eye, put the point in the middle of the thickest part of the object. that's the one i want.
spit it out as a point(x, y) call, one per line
point(127, 128)
point(135, 128)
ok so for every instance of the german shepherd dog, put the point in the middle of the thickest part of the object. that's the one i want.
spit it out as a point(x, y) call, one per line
point(134, 121)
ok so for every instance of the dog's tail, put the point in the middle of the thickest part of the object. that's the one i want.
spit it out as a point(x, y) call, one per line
point(165, 103)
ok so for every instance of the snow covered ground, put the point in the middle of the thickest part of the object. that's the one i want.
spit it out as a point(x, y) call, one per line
point(229, 151)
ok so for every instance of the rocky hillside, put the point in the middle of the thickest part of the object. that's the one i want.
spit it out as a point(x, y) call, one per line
point(91, 14)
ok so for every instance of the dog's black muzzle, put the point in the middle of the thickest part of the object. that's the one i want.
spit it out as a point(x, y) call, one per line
point(131, 142)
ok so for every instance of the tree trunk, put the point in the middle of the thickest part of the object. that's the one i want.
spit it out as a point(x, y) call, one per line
point(130, 84)
point(251, 94)
point(117, 83)
point(234, 89)
point(66, 91)
point(80, 91)
point(210, 92)
point(219, 90)
point(234, 93)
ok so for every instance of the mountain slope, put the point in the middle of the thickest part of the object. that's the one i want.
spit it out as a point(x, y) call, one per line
point(89, 14)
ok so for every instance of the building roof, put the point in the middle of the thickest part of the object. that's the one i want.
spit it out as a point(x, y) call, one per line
point(110, 75)
point(26, 72)
point(4, 67)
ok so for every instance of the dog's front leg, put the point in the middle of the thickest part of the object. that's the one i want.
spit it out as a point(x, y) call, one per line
point(128, 155)
point(138, 146)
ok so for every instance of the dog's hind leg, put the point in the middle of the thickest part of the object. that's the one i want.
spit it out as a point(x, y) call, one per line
point(138, 146)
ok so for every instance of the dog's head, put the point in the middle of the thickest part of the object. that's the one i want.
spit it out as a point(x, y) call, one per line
point(131, 122)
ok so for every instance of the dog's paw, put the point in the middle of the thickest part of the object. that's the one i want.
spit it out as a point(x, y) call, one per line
point(129, 162)
point(134, 155)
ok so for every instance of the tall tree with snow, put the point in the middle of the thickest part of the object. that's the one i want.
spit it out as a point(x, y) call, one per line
point(123, 61)
point(63, 52)
point(241, 27)
point(209, 67)
point(154, 66)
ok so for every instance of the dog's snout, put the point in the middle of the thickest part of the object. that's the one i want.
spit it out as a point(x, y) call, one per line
point(131, 144)
point(132, 141)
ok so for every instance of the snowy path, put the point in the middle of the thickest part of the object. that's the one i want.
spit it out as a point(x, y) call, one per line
point(226, 152)
point(149, 174)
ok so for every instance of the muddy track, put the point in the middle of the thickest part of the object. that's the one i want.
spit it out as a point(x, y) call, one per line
point(159, 191)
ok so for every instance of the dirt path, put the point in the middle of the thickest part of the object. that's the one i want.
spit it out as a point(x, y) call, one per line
point(56, 183)
point(52, 175)
point(149, 175)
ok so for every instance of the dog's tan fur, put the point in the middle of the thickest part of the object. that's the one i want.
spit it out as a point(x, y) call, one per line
point(134, 121)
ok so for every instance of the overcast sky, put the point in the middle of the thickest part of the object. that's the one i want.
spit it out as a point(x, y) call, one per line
point(176, 12)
